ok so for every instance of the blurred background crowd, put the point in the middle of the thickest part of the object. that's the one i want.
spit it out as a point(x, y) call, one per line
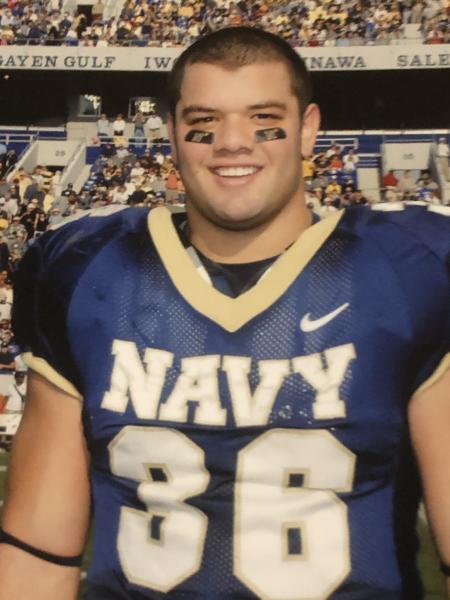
point(179, 22)
point(139, 171)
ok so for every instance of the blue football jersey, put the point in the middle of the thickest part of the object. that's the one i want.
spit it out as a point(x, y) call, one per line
point(249, 447)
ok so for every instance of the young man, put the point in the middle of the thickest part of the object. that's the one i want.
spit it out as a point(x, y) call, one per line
point(235, 386)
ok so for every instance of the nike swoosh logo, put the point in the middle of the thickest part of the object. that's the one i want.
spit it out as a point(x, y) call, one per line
point(308, 324)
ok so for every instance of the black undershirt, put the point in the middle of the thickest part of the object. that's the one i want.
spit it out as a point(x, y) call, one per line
point(239, 277)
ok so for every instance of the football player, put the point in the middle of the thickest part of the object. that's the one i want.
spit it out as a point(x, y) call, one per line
point(236, 393)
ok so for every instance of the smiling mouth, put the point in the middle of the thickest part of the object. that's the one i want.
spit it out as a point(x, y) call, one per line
point(235, 171)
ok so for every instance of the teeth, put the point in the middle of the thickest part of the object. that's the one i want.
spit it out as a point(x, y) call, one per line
point(235, 171)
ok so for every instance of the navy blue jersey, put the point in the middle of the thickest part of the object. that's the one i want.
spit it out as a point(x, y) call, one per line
point(249, 447)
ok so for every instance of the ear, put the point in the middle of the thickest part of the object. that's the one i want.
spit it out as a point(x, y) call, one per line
point(171, 134)
point(310, 126)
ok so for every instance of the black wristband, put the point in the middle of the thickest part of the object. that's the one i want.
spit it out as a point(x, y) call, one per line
point(445, 569)
point(63, 561)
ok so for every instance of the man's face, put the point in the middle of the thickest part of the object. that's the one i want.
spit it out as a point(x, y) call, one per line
point(237, 182)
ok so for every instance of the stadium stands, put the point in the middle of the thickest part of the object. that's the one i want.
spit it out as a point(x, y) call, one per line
point(178, 22)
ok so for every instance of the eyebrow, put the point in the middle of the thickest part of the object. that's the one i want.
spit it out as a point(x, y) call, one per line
point(196, 108)
point(268, 104)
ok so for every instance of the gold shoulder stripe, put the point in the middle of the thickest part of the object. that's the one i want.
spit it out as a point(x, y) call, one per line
point(441, 210)
point(42, 367)
point(442, 368)
point(233, 313)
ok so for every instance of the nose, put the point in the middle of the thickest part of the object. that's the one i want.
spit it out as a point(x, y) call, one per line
point(234, 135)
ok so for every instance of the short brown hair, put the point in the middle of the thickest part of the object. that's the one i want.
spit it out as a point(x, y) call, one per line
point(235, 47)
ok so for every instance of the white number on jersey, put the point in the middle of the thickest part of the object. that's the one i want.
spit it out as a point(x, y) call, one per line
point(291, 538)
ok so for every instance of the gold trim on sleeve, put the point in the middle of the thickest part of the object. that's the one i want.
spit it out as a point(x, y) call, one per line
point(42, 367)
point(233, 313)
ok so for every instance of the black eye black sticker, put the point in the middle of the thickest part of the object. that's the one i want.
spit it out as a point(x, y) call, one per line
point(267, 135)
point(199, 137)
point(262, 135)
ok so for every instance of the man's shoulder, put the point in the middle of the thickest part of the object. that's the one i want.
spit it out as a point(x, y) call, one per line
point(92, 227)
point(405, 233)
point(424, 222)
point(65, 251)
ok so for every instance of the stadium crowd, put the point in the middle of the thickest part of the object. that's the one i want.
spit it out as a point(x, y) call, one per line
point(140, 172)
point(143, 174)
point(179, 22)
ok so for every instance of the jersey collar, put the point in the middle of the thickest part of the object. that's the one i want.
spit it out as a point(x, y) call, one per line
point(232, 313)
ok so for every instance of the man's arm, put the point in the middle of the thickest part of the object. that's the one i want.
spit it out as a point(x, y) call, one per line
point(429, 417)
point(48, 501)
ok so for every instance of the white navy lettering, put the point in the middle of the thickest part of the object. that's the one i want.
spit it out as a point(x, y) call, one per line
point(141, 382)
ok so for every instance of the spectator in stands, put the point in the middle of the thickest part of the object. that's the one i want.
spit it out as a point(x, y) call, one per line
point(4, 187)
point(4, 221)
point(97, 10)
point(71, 37)
point(3, 151)
point(334, 149)
point(108, 150)
point(68, 190)
point(443, 155)
point(5, 306)
point(137, 171)
point(390, 180)
point(138, 197)
point(33, 188)
point(139, 123)
point(55, 216)
point(407, 182)
point(358, 199)
point(80, 23)
point(73, 204)
point(313, 202)
point(416, 12)
point(119, 195)
point(10, 160)
point(159, 157)
point(154, 125)
point(159, 183)
point(122, 153)
point(320, 180)
point(307, 168)
point(426, 185)
point(41, 224)
point(103, 127)
point(7, 368)
point(4, 253)
point(28, 218)
point(432, 197)
point(65, 24)
point(15, 231)
point(434, 36)
point(336, 162)
point(146, 160)
point(7, 160)
point(350, 161)
point(62, 204)
point(328, 207)
point(389, 194)
point(11, 207)
point(172, 187)
point(333, 188)
point(119, 126)
point(15, 395)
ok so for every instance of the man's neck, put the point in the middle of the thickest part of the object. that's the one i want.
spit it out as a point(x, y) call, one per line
point(268, 240)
